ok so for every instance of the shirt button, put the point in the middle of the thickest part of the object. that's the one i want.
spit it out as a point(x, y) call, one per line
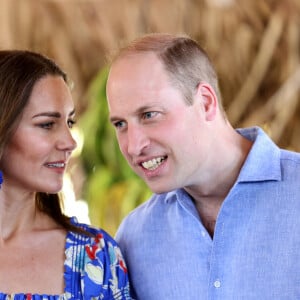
point(203, 233)
point(217, 284)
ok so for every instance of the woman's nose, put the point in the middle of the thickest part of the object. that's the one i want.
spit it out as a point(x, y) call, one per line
point(66, 141)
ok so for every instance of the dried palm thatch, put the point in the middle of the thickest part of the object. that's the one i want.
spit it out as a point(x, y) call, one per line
point(254, 44)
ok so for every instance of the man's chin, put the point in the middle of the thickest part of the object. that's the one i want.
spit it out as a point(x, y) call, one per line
point(160, 189)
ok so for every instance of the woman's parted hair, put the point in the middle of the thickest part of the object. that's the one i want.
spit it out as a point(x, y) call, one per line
point(186, 63)
point(19, 72)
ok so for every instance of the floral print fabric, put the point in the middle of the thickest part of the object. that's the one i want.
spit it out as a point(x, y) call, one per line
point(94, 269)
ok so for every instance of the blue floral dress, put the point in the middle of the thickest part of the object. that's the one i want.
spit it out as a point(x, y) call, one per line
point(94, 269)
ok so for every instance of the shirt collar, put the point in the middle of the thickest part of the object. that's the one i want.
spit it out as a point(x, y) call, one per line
point(263, 160)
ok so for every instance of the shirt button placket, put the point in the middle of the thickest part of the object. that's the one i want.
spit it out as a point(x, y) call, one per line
point(217, 284)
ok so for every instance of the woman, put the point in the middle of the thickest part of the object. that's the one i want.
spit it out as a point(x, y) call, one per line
point(43, 253)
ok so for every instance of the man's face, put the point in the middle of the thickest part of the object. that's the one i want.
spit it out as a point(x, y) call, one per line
point(162, 138)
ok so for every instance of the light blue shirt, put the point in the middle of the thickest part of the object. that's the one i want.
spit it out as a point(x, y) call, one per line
point(255, 252)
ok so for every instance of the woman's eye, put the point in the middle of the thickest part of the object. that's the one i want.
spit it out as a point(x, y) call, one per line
point(71, 123)
point(46, 125)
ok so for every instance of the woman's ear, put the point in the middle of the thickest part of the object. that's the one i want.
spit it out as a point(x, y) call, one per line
point(209, 99)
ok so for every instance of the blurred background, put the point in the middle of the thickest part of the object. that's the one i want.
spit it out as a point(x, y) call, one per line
point(255, 46)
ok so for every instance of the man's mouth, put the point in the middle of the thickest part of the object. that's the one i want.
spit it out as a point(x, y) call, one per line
point(153, 163)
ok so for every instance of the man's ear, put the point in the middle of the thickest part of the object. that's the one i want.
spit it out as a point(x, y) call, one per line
point(209, 100)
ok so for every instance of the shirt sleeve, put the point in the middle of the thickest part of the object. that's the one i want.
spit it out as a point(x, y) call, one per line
point(105, 272)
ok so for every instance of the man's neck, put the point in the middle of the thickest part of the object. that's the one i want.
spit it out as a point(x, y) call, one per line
point(209, 195)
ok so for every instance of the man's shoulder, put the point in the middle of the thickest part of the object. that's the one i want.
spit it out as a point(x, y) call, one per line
point(151, 211)
point(290, 165)
point(155, 202)
point(289, 155)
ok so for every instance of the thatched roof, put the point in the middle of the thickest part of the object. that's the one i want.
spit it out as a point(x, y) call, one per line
point(254, 44)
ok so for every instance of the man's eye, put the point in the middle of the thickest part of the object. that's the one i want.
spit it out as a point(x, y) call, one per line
point(119, 124)
point(149, 114)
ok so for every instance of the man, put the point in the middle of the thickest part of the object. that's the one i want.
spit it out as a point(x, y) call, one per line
point(223, 222)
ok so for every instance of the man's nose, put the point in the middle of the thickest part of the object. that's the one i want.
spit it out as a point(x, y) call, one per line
point(137, 140)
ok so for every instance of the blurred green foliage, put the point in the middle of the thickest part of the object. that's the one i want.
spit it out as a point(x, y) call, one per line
point(111, 189)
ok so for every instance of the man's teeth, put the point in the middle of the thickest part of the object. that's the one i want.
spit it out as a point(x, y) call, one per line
point(153, 163)
point(56, 165)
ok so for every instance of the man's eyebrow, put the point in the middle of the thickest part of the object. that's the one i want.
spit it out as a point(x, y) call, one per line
point(114, 119)
point(52, 114)
point(140, 110)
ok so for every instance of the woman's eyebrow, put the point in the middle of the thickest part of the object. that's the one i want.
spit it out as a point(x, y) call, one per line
point(47, 114)
point(52, 114)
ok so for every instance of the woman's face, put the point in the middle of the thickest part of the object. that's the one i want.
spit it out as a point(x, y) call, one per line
point(36, 157)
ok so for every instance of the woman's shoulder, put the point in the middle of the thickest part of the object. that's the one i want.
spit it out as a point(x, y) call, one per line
point(94, 245)
point(94, 256)
point(90, 233)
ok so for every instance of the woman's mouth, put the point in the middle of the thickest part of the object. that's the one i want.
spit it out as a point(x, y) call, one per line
point(56, 165)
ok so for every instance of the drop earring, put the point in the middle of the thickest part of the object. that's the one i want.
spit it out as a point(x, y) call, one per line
point(1, 179)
